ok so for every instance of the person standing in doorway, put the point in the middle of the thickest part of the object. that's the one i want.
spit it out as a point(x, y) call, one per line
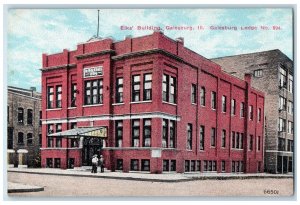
point(94, 163)
point(101, 163)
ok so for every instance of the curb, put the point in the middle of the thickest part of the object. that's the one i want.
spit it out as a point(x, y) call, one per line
point(25, 190)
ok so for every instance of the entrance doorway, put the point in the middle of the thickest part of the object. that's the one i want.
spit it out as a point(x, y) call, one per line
point(91, 146)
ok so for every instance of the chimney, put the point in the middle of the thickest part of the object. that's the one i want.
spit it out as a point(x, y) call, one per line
point(248, 78)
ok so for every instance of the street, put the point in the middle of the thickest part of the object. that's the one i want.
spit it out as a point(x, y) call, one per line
point(86, 186)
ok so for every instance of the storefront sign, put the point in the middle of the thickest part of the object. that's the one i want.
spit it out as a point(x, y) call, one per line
point(92, 71)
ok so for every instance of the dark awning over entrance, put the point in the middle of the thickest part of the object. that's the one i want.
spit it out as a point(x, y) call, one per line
point(100, 132)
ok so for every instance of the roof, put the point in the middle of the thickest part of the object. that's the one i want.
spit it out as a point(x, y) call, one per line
point(82, 132)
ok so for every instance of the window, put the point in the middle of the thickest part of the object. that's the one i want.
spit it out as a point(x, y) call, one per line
point(50, 142)
point(251, 143)
point(49, 162)
point(169, 89)
point(40, 121)
point(145, 165)
point(223, 167)
point(57, 163)
point(73, 94)
point(258, 73)
point(259, 114)
point(282, 125)
point(233, 166)
point(202, 134)
point(290, 147)
point(58, 142)
point(135, 133)
point(258, 143)
point(202, 96)
point(50, 95)
point(119, 133)
point(213, 137)
point(205, 168)
point(233, 106)
point(210, 165)
point(282, 103)
point(40, 139)
point(213, 100)
point(58, 96)
point(242, 113)
point(73, 125)
point(93, 92)
point(241, 140)
point(187, 165)
point(251, 112)
point(172, 134)
point(58, 127)
point(50, 129)
point(20, 115)
point(165, 133)
point(147, 133)
point(223, 103)
point(119, 90)
point(290, 83)
point(147, 87)
point(29, 117)
point(29, 139)
point(119, 164)
point(134, 165)
point(193, 94)
point(223, 144)
point(290, 107)
point(232, 139)
point(281, 144)
point(198, 165)
point(237, 140)
point(193, 165)
point(173, 165)
point(10, 138)
point(165, 165)
point(290, 127)
point(20, 138)
point(282, 77)
point(189, 137)
point(136, 87)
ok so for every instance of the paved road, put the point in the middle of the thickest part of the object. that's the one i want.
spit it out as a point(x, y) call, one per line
point(85, 186)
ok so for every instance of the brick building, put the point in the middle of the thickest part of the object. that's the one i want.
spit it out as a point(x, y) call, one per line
point(272, 73)
point(161, 106)
point(24, 131)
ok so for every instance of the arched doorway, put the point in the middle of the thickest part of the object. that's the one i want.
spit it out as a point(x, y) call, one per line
point(90, 147)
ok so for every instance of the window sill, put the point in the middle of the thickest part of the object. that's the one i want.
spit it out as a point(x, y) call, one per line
point(164, 102)
point(213, 109)
point(236, 149)
point(137, 102)
point(95, 105)
point(118, 104)
point(70, 108)
point(194, 104)
point(51, 109)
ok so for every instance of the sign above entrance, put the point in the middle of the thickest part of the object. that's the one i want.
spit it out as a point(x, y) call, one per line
point(92, 71)
point(101, 132)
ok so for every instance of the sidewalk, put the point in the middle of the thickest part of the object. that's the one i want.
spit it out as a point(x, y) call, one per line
point(19, 188)
point(164, 177)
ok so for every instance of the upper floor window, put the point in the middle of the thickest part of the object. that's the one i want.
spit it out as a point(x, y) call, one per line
point(73, 94)
point(202, 137)
point(20, 138)
point(291, 79)
point(251, 142)
point(290, 127)
point(147, 87)
point(135, 133)
point(281, 144)
point(213, 137)
point(50, 129)
point(233, 106)
point(242, 111)
point(290, 107)
point(20, 115)
point(224, 103)
point(251, 112)
point(259, 114)
point(202, 96)
point(282, 103)
point(119, 133)
point(172, 134)
point(165, 133)
point(282, 77)
point(189, 136)
point(282, 125)
point(119, 90)
point(58, 127)
point(136, 87)
point(50, 97)
point(58, 96)
point(223, 138)
point(258, 73)
point(29, 116)
point(147, 133)
point(40, 121)
point(93, 92)
point(169, 88)
point(29, 139)
point(258, 143)
point(213, 100)
point(193, 94)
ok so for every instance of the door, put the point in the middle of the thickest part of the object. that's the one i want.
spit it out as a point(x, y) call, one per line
point(90, 147)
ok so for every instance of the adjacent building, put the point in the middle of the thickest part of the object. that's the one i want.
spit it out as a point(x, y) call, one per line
point(24, 131)
point(148, 104)
point(272, 73)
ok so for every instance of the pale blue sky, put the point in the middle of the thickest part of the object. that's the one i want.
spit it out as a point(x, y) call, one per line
point(31, 32)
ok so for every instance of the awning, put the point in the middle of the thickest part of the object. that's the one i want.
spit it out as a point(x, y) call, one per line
point(82, 132)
